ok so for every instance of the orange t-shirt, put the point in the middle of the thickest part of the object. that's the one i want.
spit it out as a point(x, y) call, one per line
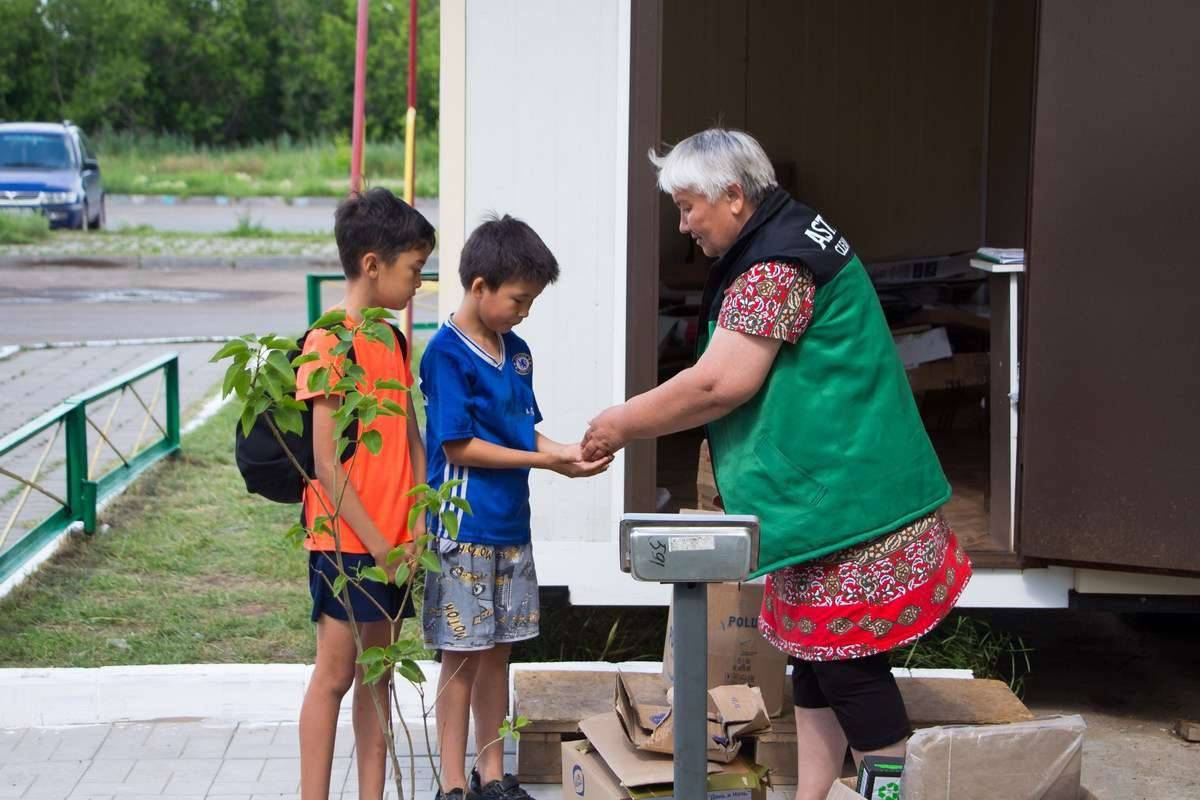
point(382, 481)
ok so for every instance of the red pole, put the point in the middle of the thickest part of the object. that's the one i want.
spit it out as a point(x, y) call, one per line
point(411, 135)
point(412, 53)
point(360, 87)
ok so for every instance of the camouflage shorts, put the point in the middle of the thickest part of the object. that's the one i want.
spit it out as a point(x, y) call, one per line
point(483, 596)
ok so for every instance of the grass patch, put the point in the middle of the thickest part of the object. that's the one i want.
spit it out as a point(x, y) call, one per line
point(23, 228)
point(965, 642)
point(174, 165)
point(194, 570)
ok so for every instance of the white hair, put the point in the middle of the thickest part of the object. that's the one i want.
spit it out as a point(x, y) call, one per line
point(711, 161)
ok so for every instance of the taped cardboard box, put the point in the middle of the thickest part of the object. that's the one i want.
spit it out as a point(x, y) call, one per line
point(734, 712)
point(737, 652)
point(638, 774)
point(1039, 760)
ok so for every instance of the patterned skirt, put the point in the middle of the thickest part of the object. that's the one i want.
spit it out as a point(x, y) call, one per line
point(868, 598)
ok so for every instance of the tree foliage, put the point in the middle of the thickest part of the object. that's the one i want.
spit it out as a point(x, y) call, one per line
point(216, 71)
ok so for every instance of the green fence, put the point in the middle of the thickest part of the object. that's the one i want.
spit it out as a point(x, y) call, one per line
point(85, 490)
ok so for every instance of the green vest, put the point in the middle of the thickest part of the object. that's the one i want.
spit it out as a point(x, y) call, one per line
point(831, 451)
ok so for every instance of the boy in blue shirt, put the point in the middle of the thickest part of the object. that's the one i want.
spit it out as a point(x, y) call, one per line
point(477, 378)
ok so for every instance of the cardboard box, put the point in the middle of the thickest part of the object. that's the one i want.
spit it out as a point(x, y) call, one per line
point(734, 712)
point(879, 777)
point(638, 774)
point(737, 653)
point(957, 372)
point(1040, 759)
point(915, 349)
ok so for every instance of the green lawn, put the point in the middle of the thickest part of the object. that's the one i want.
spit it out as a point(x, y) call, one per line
point(194, 570)
point(162, 164)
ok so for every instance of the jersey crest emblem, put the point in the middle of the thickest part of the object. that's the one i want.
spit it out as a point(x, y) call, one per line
point(522, 363)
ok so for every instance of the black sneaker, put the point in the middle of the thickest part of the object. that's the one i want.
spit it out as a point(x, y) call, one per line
point(507, 788)
point(455, 794)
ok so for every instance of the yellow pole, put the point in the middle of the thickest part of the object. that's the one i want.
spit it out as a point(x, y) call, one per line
point(410, 155)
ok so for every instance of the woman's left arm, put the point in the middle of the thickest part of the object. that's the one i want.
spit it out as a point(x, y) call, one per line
point(730, 372)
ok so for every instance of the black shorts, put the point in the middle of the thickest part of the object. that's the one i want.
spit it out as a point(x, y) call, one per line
point(862, 693)
point(366, 597)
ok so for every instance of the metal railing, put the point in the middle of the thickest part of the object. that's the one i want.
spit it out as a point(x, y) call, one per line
point(85, 490)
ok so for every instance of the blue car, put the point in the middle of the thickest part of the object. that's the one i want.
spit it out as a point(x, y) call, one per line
point(49, 168)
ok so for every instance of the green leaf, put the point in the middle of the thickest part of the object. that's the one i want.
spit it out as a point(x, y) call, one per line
point(354, 371)
point(241, 383)
point(248, 417)
point(413, 514)
point(375, 574)
point(373, 441)
point(377, 313)
point(296, 535)
point(330, 318)
point(446, 488)
point(394, 407)
point(450, 523)
point(278, 361)
point(390, 383)
point(375, 672)
point(395, 554)
point(282, 343)
point(318, 379)
point(229, 349)
point(521, 722)
point(342, 347)
point(305, 358)
point(339, 584)
point(402, 573)
point(420, 488)
point(372, 655)
point(411, 670)
point(288, 420)
point(430, 561)
point(231, 374)
point(289, 401)
point(461, 502)
point(344, 385)
point(368, 412)
point(424, 540)
point(321, 525)
point(273, 384)
point(342, 444)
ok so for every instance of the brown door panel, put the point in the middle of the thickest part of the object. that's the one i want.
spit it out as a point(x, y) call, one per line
point(1110, 432)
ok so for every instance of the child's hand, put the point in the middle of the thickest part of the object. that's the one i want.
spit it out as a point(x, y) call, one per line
point(583, 469)
point(570, 453)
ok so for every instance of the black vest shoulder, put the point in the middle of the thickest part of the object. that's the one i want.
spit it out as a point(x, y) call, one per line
point(781, 229)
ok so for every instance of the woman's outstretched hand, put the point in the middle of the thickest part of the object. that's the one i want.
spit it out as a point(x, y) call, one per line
point(605, 434)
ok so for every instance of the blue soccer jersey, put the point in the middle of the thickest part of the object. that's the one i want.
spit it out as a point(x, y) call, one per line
point(470, 394)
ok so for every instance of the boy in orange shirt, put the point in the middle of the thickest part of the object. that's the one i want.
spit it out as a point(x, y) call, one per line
point(383, 244)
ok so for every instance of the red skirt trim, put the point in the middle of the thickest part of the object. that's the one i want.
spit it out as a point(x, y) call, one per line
point(869, 598)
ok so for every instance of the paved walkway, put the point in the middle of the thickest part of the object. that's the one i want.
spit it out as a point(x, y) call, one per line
point(191, 760)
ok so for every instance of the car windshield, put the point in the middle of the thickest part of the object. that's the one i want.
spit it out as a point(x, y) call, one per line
point(34, 150)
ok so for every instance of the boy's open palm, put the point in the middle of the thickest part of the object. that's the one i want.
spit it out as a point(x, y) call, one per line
point(583, 469)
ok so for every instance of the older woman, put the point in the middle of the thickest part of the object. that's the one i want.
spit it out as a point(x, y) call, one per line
point(813, 429)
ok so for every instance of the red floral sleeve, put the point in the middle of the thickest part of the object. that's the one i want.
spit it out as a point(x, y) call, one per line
point(772, 299)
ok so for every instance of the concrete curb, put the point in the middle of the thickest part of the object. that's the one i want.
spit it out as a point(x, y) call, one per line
point(173, 262)
point(226, 692)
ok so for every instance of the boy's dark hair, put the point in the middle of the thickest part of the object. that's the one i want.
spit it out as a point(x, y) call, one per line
point(376, 221)
point(505, 249)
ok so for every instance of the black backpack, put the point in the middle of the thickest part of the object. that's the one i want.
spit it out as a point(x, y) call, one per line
point(265, 466)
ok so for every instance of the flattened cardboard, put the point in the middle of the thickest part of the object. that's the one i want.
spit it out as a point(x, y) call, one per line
point(585, 776)
point(632, 767)
point(733, 712)
point(652, 727)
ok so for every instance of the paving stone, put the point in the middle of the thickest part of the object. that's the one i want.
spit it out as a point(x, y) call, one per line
point(208, 740)
point(244, 770)
point(55, 779)
point(111, 770)
point(79, 742)
point(190, 775)
point(126, 740)
point(16, 778)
